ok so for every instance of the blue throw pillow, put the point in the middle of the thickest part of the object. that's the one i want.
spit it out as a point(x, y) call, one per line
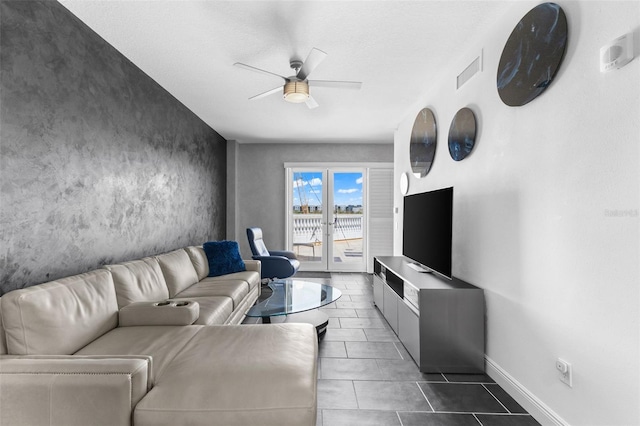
point(224, 257)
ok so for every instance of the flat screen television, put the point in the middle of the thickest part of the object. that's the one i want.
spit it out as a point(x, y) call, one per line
point(427, 230)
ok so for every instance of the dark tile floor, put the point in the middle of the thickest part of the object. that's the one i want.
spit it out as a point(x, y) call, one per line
point(367, 377)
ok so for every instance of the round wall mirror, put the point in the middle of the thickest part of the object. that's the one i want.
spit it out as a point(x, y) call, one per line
point(532, 55)
point(462, 134)
point(422, 147)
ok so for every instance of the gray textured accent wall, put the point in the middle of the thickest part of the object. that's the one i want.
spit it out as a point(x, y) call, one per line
point(99, 164)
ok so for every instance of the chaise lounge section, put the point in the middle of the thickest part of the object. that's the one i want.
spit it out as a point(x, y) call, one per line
point(152, 342)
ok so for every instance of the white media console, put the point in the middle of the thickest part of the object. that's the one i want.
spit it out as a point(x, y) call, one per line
point(441, 322)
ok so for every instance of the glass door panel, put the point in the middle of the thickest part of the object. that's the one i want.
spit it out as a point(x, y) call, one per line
point(346, 221)
point(308, 218)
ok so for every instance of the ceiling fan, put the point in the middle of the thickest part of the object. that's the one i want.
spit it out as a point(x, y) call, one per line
point(296, 87)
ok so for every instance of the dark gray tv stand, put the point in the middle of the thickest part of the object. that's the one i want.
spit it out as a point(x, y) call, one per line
point(441, 322)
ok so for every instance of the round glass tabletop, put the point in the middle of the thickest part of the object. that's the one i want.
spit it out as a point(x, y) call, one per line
point(291, 296)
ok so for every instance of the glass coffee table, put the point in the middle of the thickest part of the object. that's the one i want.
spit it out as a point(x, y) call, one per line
point(294, 300)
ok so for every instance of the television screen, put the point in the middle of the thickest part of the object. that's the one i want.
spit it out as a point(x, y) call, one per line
point(427, 229)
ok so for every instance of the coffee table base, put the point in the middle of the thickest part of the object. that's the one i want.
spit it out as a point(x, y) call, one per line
point(315, 317)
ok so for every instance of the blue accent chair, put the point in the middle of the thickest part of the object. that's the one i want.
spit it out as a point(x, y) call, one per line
point(275, 263)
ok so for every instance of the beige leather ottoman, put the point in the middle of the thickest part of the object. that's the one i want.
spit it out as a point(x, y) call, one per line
point(215, 379)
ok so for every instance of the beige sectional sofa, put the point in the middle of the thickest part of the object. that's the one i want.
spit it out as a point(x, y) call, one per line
point(152, 342)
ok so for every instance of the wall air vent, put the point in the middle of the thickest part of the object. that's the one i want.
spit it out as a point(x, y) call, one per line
point(472, 69)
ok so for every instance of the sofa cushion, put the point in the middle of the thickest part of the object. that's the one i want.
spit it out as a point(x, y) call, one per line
point(138, 281)
point(199, 259)
point(239, 313)
point(237, 290)
point(213, 309)
point(161, 343)
point(60, 317)
point(178, 271)
point(251, 277)
point(224, 257)
point(215, 379)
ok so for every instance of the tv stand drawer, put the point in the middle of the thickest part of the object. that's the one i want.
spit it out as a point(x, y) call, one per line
point(412, 295)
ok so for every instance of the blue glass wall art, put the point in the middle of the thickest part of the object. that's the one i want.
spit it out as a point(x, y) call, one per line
point(532, 55)
point(462, 134)
point(422, 147)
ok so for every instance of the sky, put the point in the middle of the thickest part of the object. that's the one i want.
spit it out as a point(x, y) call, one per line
point(347, 188)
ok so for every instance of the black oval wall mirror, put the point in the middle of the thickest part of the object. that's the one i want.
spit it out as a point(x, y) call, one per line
point(532, 55)
point(462, 134)
point(422, 147)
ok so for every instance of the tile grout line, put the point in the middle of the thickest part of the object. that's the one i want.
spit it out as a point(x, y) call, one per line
point(353, 385)
point(485, 413)
point(507, 414)
point(460, 383)
point(399, 419)
point(398, 350)
point(496, 398)
point(473, 414)
point(379, 369)
point(346, 349)
point(468, 413)
point(425, 397)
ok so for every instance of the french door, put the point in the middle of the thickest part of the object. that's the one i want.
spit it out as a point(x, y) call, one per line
point(326, 217)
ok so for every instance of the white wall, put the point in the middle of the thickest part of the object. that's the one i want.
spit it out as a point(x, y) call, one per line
point(535, 223)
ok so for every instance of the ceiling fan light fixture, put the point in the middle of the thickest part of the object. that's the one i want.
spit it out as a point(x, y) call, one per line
point(296, 91)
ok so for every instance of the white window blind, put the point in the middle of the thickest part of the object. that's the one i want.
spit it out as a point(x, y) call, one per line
point(380, 214)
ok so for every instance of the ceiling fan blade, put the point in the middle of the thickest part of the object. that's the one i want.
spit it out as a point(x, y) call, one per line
point(250, 68)
point(267, 93)
point(313, 60)
point(356, 85)
point(311, 103)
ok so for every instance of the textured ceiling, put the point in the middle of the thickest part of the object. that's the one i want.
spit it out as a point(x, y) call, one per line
point(189, 47)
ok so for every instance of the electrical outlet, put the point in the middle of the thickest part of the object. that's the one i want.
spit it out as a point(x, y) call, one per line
point(566, 375)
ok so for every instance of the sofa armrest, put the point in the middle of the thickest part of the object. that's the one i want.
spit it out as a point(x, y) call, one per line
point(167, 312)
point(52, 390)
point(276, 266)
point(252, 265)
point(284, 253)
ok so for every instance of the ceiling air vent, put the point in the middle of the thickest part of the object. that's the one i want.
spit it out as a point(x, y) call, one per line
point(472, 69)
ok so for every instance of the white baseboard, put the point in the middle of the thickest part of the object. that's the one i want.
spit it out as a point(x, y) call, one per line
point(538, 409)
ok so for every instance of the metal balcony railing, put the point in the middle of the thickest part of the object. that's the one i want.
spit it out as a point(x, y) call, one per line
point(307, 228)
